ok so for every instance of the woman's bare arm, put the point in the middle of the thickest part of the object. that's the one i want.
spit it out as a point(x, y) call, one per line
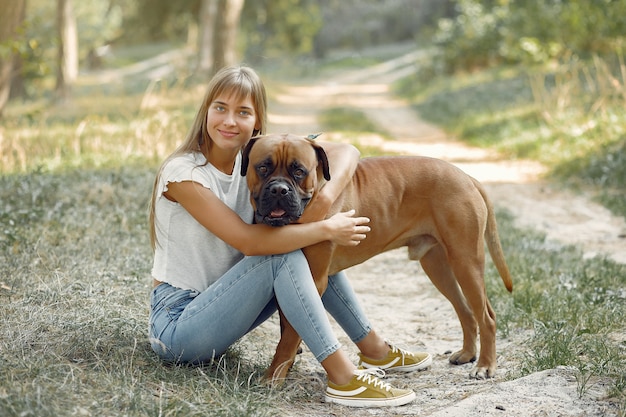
point(260, 239)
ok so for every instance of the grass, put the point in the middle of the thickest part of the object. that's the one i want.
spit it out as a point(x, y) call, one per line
point(76, 260)
point(75, 285)
point(570, 117)
point(572, 305)
point(338, 118)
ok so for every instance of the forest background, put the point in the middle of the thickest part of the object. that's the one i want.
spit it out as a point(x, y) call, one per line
point(570, 54)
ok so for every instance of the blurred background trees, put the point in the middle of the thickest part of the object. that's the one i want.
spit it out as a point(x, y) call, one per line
point(491, 32)
point(468, 34)
point(10, 23)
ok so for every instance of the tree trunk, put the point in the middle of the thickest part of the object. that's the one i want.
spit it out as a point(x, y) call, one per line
point(207, 22)
point(225, 33)
point(10, 19)
point(67, 54)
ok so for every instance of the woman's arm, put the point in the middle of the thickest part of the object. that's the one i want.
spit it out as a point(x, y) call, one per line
point(342, 160)
point(260, 239)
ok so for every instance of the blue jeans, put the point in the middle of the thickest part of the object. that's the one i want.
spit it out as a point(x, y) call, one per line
point(195, 327)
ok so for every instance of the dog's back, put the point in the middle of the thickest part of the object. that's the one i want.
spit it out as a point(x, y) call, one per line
point(411, 201)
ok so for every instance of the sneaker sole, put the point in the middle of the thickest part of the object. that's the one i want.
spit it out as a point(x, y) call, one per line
point(422, 366)
point(371, 402)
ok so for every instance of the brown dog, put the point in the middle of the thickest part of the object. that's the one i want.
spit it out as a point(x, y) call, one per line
point(433, 208)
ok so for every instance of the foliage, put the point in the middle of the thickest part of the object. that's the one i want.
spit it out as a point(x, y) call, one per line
point(603, 170)
point(99, 23)
point(570, 118)
point(270, 29)
point(150, 21)
point(485, 33)
point(279, 26)
point(357, 24)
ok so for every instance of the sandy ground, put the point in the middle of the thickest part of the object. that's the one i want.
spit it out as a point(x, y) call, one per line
point(429, 321)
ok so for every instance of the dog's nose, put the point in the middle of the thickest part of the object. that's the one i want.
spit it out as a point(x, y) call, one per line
point(279, 189)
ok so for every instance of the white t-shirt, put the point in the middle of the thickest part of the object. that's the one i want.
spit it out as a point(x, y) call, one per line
point(187, 255)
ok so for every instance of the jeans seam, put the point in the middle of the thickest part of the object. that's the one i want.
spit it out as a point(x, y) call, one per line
point(366, 328)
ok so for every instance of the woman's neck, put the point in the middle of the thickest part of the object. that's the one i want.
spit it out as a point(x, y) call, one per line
point(222, 160)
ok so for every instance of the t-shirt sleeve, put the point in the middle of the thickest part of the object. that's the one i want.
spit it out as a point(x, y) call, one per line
point(182, 169)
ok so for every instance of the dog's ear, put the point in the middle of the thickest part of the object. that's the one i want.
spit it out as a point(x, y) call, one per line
point(321, 155)
point(245, 156)
point(322, 159)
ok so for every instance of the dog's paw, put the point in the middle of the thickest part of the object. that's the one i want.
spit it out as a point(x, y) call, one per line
point(275, 375)
point(461, 357)
point(483, 372)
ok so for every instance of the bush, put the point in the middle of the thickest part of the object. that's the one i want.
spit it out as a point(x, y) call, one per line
point(485, 33)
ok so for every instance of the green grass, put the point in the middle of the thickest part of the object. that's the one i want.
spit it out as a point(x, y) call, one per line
point(573, 305)
point(74, 289)
point(347, 120)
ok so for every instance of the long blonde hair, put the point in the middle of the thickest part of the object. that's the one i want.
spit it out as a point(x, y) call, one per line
point(241, 81)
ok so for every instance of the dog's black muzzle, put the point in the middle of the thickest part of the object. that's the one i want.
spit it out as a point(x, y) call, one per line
point(279, 203)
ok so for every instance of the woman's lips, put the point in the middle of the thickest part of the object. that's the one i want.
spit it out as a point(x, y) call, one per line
point(227, 134)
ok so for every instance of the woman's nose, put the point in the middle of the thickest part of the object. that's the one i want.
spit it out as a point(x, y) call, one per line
point(229, 120)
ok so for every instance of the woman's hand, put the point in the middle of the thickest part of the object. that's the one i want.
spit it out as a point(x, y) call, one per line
point(347, 230)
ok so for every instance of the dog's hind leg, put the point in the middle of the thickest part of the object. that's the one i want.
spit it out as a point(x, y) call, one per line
point(469, 271)
point(435, 264)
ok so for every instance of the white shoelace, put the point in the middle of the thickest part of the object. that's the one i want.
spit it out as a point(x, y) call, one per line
point(372, 376)
point(402, 352)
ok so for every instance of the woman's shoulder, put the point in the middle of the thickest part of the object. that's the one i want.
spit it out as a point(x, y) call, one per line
point(183, 165)
point(187, 158)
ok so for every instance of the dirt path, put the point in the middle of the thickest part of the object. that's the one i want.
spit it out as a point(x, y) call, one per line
point(429, 321)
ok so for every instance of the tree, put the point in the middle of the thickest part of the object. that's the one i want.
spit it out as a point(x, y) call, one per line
point(10, 20)
point(207, 20)
point(67, 57)
point(225, 33)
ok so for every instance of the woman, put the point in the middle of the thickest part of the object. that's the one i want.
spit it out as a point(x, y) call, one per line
point(217, 276)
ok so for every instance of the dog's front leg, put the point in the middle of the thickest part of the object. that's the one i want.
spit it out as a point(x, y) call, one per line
point(285, 352)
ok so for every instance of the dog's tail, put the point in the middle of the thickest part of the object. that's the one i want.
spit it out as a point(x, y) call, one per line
point(493, 240)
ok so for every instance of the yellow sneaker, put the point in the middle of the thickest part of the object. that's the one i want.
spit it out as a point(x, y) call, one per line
point(398, 360)
point(367, 390)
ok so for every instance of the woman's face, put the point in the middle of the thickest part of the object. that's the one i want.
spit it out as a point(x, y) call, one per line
point(231, 121)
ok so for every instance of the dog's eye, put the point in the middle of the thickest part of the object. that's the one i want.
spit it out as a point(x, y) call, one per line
point(299, 173)
point(264, 168)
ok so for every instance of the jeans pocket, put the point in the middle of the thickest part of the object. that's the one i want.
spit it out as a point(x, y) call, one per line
point(171, 301)
point(166, 305)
